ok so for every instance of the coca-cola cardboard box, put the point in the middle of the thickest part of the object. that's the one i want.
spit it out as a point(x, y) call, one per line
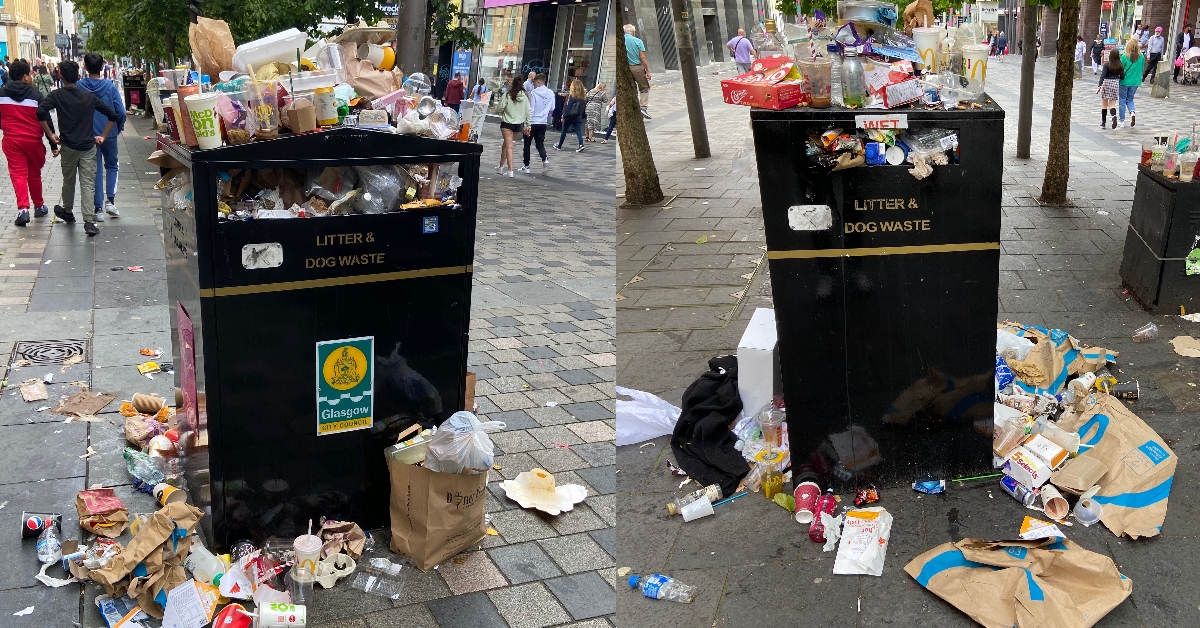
point(771, 83)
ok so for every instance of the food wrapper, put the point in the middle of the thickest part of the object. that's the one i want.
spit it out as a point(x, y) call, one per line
point(342, 537)
point(101, 512)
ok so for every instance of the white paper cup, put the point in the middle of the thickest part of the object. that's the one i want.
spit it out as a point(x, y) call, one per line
point(308, 551)
point(202, 108)
point(382, 57)
point(1053, 503)
point(927, 39)
point(975, 59)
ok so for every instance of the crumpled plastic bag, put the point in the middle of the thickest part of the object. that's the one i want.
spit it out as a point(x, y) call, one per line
point(381, 189)
point(139, 429)
point(330, 183)
point(212, 46)
point(461, 445)
point(643, 418)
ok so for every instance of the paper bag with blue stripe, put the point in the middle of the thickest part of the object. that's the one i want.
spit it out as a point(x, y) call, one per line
point(1140, 465)
point(1002, 584)
point(1055, 357)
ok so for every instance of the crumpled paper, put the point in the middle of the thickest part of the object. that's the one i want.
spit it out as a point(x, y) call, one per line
point(1186, 346)
point(342, 537)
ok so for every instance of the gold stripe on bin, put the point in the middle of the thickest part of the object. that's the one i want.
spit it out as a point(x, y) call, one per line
point(334, 281)
point(885, 250)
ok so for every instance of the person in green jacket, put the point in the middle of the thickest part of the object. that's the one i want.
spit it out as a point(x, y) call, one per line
point(515, 117)
point(1134, 62)
point(43, 82)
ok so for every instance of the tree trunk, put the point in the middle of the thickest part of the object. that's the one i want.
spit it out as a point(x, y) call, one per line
point(641, 176)
point(1058, 164)
point(1028, 55)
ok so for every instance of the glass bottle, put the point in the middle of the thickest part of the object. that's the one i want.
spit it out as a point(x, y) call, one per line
point(854, 88)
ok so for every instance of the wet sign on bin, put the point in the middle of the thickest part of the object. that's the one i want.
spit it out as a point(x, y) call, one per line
point(345, 384)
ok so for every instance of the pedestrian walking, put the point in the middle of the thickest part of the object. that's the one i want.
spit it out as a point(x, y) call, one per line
point(515, 117)
point(76, 108)
point(743, 51)
point(43, 81)
point(528, 84)
point(106, 154)
point(597, 102)
point(1001, 44)
point(573, 115)
point(635, 52)
point(1182, 43)
point(3, 73)
point(1097, 54)
point(478, 91)
point(22, 143)
point(541, 109)
point(1143, 38)
point(1132, 61)
point(1080, 50)
point(454, 92)
point(1109, 89)
point(1154, 53)
point(612, 119)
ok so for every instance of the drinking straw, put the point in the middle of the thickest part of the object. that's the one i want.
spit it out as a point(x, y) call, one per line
point(731, 498)
point(978, 477)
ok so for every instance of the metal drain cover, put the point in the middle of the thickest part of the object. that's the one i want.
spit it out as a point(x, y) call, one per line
point(49, 352)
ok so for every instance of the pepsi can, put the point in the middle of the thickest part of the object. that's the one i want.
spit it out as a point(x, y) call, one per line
point(32, 523)
point(1018, 491)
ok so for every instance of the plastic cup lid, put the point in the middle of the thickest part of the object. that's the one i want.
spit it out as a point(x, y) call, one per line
point(307, 543)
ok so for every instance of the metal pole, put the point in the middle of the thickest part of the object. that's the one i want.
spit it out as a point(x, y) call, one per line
point(410, 35)
point(691, 81)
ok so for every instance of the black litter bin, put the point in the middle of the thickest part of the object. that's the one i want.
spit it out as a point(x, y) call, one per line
point(134, 85)
point(304, 346)
point(1164, 227)
point(886, 301)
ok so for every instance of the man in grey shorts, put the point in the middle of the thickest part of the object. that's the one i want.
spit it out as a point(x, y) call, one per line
point(636, 51)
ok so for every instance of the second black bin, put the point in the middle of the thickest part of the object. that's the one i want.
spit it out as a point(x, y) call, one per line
point(886, 301)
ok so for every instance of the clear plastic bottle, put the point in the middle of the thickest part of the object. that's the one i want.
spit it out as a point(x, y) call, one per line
point(854, 90)
point(143, 467)
point(835, 83)
point(203, 564)
point(49, 547)
point(711, 492)
point(660, 587)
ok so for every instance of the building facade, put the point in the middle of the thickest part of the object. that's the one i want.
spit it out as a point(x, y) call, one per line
point(718, 22)
point(47, 27)
point(563, 39)
point(19, 22)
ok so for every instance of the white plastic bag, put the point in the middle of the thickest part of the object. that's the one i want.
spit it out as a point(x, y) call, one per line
point(643, 418)
point(461, 444)
point(1011, 346)
point(864, 542)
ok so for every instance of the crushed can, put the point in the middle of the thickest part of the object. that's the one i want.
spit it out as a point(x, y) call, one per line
point(827, 503)
point(1018, 491)
point(1127, 390)
point(33, 523)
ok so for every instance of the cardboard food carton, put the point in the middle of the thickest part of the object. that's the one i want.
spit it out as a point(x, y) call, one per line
point(771, 83)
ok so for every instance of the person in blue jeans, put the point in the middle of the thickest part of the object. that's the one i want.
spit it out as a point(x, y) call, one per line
point(1134, 61)
point(573, 114)
point(105, 90)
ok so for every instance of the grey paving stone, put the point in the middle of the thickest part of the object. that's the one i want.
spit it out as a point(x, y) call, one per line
point(578, 377)
point(21, 563)
point(514, 441)
point(514, 420)
point(558, 459)
point(517, 526)
point(524, 562)
point(576, 553)
point(528, 606)
point(539, 352)
point(552, 436)
point(588, 411)
point(474, 610)
point(410, 616)
point(606, 538)
point(578, 519)
point(584, 595)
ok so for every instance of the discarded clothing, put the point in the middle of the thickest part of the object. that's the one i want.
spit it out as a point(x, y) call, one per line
point(702, 442)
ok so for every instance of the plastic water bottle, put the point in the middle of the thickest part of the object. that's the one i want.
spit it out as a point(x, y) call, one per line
point(49, 547)
point(835, 74)
point(143, 467)
point(660, 587)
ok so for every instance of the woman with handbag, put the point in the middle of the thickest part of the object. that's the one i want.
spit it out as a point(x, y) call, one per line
point(515, 116)
point(597, 100)
point(573, 115)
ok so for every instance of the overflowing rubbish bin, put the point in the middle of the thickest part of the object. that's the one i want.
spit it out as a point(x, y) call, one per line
point(134, 86)
point(1164, 230)
point(320, 289)
point(884, 280)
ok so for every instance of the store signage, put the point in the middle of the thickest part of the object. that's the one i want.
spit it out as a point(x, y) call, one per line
point(988, 11)
point(5, 17)
point(62, 40)
point(1104, 29)
point(390, 12)
point(892, 121)
point(345, 385)
point(461, 62)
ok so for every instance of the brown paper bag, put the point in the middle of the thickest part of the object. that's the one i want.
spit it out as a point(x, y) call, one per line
point(101, 512)
point(365, 79)
point(1054, 359)
point(1140, 465)
point(176, 519)
point(435, 515)
point(212, 46)
point(1001, 584)
point(342, 537)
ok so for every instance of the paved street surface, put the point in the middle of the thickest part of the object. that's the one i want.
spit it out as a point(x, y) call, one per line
point(542, 344)
point(681, 303)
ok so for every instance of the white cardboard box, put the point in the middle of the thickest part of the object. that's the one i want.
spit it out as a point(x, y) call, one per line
point(758, 364)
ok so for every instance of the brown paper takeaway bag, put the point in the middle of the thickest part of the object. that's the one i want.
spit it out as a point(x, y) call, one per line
point(435, 515)
point(1140, 465)
point(1043, 583)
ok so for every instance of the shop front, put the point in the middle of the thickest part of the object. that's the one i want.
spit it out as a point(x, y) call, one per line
point(561, 39)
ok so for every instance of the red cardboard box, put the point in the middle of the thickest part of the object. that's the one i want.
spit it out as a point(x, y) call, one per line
point(771, 83)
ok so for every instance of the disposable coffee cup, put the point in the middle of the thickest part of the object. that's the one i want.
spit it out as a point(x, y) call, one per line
point(382, 57)
point(1053, 503)
point(308, 551)
point(279, 615)
point(927, 38)
point(202, 109)
point(185, 118)
point(167, 494)
point(807, 494)
point(975, 59)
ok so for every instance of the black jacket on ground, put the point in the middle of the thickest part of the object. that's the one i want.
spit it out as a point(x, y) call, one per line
point(75, 107)
point(702, 442)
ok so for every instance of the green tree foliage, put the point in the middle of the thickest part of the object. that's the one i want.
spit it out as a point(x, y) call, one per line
point(443, 19)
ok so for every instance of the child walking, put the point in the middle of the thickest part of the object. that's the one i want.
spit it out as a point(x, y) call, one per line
point(1109, 89)
point(22, 143)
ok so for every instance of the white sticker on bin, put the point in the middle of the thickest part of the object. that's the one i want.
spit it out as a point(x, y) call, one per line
point(810, 217)
point(889, 121)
